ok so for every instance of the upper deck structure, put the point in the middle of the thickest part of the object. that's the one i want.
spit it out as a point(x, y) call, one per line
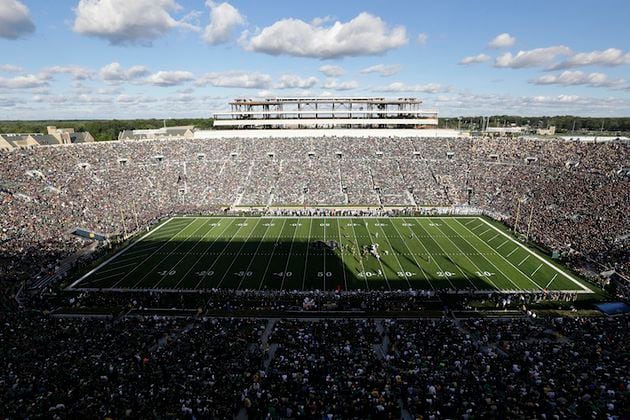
point(322, 112)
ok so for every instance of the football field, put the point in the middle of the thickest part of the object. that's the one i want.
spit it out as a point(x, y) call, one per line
point(326, 253)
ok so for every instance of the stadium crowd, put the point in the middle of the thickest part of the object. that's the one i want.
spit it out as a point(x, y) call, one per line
point(539, 368)
point(575, 194)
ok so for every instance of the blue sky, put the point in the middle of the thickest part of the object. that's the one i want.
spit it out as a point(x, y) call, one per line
point(166, 58)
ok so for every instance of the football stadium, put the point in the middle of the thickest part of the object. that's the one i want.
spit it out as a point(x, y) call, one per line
point(226, 211)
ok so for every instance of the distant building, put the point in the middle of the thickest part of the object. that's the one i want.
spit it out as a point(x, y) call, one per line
point(184, 131)
point(54, 136)
point(549, 131)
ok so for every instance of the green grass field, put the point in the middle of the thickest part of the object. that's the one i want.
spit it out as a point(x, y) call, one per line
point(430, 253)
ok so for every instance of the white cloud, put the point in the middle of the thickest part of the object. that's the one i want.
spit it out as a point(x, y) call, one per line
point(532, 58)
point(337, 85)
point(77, 72)
point(127, 22)
point(332, 71)
point(571, 78)
point(292, 81)
point(10, 68)
point(382, 69)
point(474, 59)
point(236, 79)
point(422, 38)
point(224, 19)
point(115, 73)
point(610, 57)
point(502, 40)
point(15, 20)
point(169, 78)
point(28, 81)
point(398, 87)
point(366, 34)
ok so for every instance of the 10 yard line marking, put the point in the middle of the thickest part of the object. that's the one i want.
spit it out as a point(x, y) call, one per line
point(537, 270)
point(551, 281)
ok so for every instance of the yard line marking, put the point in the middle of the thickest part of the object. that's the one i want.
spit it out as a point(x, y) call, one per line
point(121, 252)
point(235, 220)
point(237, 254)
point(469, 259)
point(392, 248)
point(503, 243)
point(513, 251)
point(452, 262)
point(220, 235)
point(308, 240)
point(470, 221)
point(551, 281)
point(583, 287)
point(117, 268)
point(255, 254)
point(505, 258)
point(524, 259)
point(343, 265)
point(324, 276)
point(155, 286)
point(413, 255)
point(537, 270)
point(379, 260)
point(426, 250)
point(262, 280)
point(493, 237)
point(484, 232)
point(359, 257)
point(286, 266)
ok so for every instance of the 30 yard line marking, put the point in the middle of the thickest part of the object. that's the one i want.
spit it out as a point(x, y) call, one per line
point(412, 255)
point(238, 253)
point(402, 269)
point(264, 276)
point(367, 229)
point(251, 261)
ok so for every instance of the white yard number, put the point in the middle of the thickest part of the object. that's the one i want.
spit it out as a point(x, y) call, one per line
point(284, 274)
point(352, 224)
point(405, 274)
point(241, 224)
point(379, 224)
point(407, 224)
point(295, 224)
point(269, 224)
point(321, 274)
point(215, 224)
point(167, 273)
point(369, 274)
point(445, 274)
point(244, 274)
point(205, 273)
point(484, 274)
point(324, 224)
point(435, 224)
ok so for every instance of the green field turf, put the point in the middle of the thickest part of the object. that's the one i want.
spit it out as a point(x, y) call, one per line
point(430, 253)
